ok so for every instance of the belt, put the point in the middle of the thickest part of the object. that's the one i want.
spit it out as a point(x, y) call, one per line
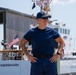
point(43, 56)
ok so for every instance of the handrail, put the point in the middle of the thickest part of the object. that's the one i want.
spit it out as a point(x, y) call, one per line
point(10, 50)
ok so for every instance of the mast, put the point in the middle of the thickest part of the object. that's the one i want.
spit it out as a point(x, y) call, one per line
point(44, 5)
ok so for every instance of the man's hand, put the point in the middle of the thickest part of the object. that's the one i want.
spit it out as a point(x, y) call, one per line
point(31, 58)
point(54, 58)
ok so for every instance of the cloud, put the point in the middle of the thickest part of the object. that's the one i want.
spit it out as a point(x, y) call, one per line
point(57, 2)
point(62, 2)
point(72, 1)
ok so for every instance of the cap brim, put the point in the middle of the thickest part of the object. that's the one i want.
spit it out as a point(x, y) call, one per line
point(46, 16)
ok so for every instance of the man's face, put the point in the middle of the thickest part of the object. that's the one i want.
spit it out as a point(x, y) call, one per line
point(43, 21)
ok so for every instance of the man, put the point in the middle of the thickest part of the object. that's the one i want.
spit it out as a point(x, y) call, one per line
point(42, 39)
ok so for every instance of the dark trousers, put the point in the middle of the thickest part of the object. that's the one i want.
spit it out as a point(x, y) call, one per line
point(43, 66)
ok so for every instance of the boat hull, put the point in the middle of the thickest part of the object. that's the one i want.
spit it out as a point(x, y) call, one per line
point(22, 67)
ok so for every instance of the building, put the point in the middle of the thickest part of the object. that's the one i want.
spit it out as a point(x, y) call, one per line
point(14, 23)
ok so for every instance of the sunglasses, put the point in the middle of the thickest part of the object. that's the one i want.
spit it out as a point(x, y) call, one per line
point(45, 18)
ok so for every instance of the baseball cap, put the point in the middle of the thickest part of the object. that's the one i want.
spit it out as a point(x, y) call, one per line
point(42, 15)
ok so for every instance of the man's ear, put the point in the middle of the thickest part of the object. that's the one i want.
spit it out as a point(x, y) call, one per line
point(38, 19)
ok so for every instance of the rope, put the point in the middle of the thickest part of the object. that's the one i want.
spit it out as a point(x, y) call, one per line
point(33, 21)
point(51, 7)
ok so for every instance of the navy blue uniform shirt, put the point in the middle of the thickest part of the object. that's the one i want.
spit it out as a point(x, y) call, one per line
point(42, 40)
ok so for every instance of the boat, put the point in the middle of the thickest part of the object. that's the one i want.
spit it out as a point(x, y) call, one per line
point(13, 62)
point(68, 59)
point(11, 65)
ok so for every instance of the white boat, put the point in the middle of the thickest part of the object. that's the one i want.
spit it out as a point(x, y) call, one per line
point(68, 61)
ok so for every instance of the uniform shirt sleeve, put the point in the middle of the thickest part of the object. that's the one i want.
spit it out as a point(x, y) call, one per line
point(27, 36)
point(56, 34)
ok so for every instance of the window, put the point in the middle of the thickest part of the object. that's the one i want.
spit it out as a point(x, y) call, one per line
point(60, 30)
point(68, 32)
point(56, 29)
point(63, 31)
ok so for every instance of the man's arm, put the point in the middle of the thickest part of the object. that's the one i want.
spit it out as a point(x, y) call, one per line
point(56, 56)
point(22, 44)
point(24, 49)
point(61, 42)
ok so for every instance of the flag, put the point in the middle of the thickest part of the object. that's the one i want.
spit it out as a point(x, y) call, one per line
point(33, 6)
point(15, 40)
point(38, 3)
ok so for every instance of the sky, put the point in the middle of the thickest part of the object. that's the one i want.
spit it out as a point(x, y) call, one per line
point(62, 10)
